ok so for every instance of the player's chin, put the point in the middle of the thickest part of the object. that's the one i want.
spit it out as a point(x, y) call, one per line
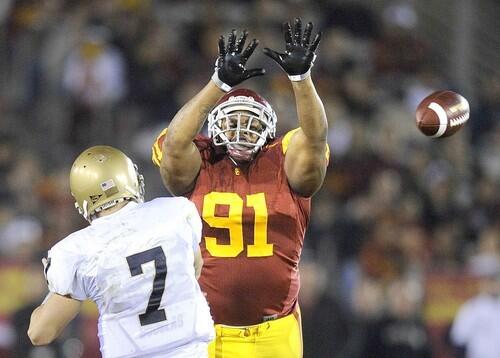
point(240, 153)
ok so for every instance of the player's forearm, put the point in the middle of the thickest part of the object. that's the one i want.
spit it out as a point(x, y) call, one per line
point(39, 333)
point(49, 319)
point(310, 110)
point(188, 122)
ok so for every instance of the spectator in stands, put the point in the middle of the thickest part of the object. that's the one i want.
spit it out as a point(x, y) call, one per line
point(94, 76)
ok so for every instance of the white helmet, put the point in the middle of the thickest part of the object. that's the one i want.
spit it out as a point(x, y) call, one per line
point(237, 116)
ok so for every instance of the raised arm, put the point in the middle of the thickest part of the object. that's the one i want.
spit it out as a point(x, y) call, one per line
point(306, 155)
point(181, 159)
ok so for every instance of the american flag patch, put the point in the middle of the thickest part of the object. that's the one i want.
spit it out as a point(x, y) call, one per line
point(108, 184)
point(109, 188)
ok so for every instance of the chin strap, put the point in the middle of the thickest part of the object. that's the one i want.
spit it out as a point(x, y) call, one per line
point(234, 161)
point(241, 156)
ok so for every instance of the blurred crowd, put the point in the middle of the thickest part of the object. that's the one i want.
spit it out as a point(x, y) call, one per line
point(401, 220)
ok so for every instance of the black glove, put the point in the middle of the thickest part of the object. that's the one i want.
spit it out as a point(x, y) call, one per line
point(299, 55)
point(230, 65)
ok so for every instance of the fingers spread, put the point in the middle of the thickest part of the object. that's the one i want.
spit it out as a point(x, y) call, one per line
point(287, 31)
point(241, 41)
point(316, 41)
point(231, 41)
point(307, 34)
point(249, 50)
point(254, 72)
point(297, 35)
point(222, 47)
point(273, 54)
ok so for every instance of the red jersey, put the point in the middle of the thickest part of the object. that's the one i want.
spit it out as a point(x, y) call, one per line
point(253, 233)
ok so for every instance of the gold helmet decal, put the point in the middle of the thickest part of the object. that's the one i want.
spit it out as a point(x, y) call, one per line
point(101, 177)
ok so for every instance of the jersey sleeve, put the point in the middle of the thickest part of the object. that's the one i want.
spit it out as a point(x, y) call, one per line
point(194, 221)
point(201, 142)
point(286, 141)
point(61, 272)
point(156, 150)
point(462, 326)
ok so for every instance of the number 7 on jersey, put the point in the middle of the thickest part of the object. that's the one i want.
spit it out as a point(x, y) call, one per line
point(135, 262)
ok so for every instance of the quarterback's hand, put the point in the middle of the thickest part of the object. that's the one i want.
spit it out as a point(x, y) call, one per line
point(299, 54)
point(230, 65)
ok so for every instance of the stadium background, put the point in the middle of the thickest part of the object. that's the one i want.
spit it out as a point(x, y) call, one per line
point(404, 225)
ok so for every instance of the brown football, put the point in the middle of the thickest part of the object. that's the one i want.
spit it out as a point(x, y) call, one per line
point(442, 114)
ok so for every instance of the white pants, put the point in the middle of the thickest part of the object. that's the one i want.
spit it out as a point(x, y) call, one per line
point(192, 350)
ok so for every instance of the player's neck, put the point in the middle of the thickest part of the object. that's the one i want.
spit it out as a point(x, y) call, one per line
point(112, 209)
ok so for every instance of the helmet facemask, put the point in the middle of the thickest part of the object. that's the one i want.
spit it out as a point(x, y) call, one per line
point(243, 125)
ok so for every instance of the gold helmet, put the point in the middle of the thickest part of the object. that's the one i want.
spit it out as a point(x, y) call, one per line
point(101, 177)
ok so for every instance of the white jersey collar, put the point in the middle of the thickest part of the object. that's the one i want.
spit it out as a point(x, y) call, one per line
point(131, 205)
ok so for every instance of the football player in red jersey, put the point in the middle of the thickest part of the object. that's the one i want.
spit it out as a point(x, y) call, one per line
point(253, 192)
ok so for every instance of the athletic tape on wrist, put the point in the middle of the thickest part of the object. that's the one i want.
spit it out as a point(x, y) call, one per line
point(223, 86)
point(298, 78)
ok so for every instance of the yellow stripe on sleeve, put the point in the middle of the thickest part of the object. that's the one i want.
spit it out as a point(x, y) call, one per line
point(286, 140)
point(156, 149)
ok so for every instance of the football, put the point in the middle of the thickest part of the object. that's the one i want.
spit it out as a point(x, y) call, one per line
point(442, 114)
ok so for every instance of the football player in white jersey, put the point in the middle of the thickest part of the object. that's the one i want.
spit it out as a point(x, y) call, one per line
point(139, 263)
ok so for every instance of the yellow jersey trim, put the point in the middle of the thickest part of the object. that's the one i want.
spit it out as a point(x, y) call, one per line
point(286, 140)
point(156, 149)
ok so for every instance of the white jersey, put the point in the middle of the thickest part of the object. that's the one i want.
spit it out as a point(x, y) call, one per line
point(477, 327)
point(137, 265)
